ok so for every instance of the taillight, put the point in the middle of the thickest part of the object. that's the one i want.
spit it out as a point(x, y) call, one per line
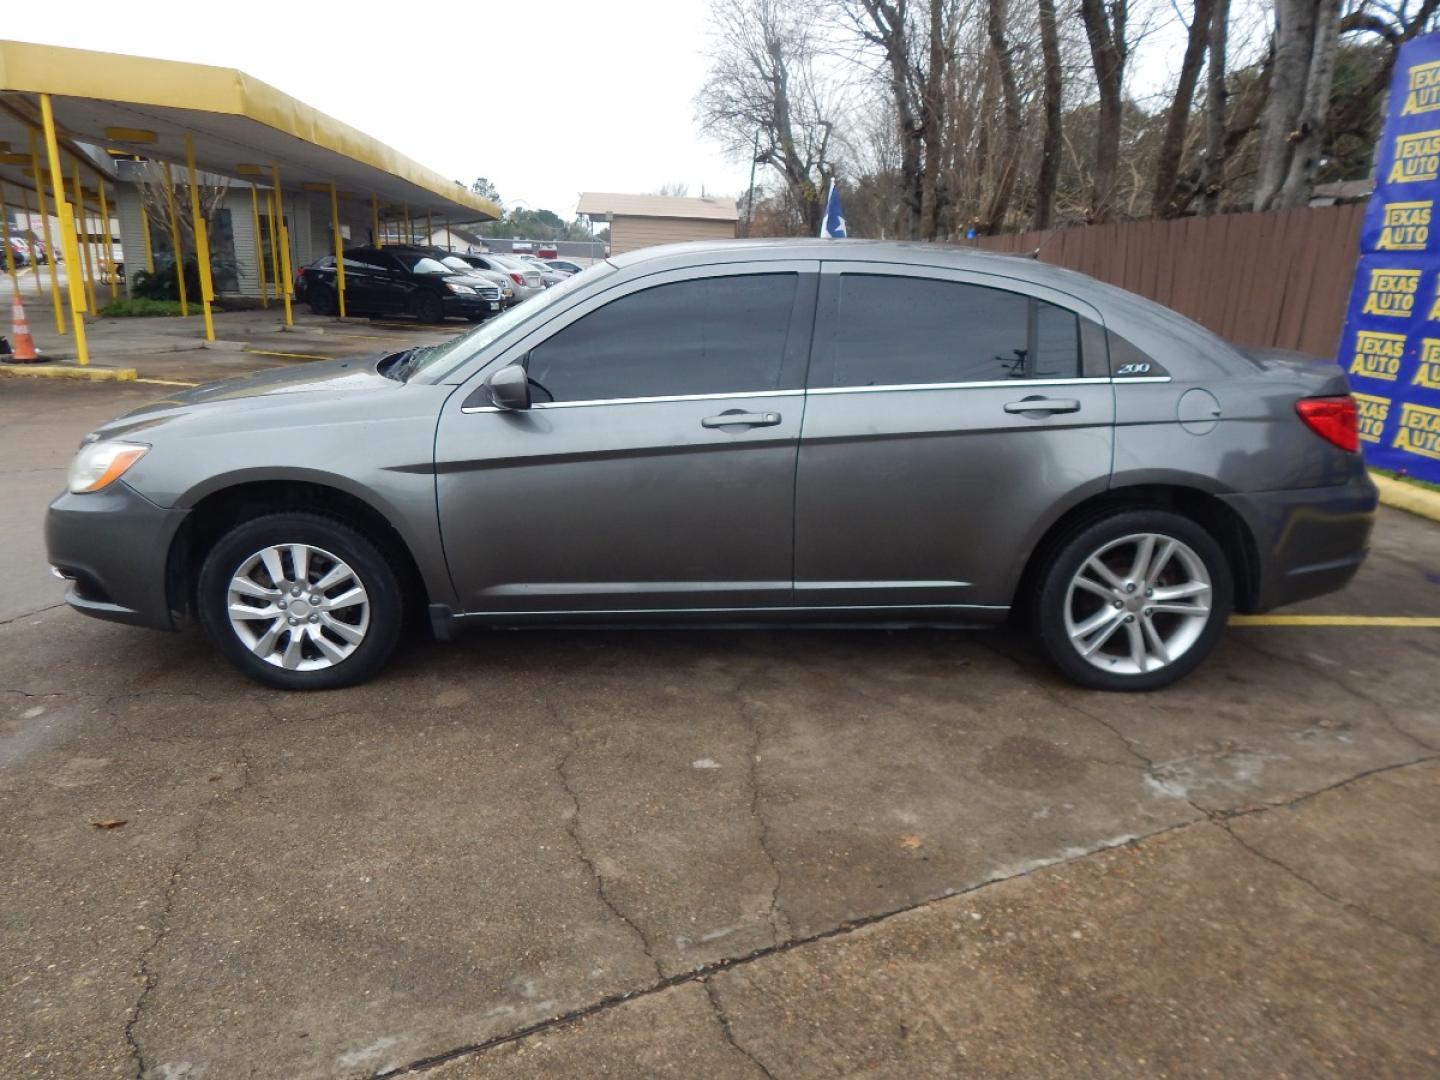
point(518, 278)
point(1334, 419)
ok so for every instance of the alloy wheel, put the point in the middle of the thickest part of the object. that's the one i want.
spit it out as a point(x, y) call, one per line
point(297, 606)
point(1138, 604)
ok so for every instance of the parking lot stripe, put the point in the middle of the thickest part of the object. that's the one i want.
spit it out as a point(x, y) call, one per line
point(291, 355)
point(165, 382)
point(1407, 621)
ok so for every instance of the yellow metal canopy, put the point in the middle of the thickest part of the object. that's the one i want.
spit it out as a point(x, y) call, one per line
point(147, 107)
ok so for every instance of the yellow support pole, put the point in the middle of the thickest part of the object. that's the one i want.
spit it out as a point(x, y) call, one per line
point(429, 229)
point(175, 248)
point(9, 250)
point(339, 248)
point(51, 255)
point(149, 248)
point(109, 242)
point(274, 244)
point(82, 227)
point(259, 246)
point(449, 240)
point(25, 202)
point(375, 219)
point(287, 287)
point(67, 230)
point(202, 240)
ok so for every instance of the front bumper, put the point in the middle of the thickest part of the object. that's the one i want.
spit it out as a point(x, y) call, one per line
point(1310, 541)
point(470, 306)
point(114, 545)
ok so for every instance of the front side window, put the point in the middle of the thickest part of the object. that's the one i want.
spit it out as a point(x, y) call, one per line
point(897, 331)
point(714, 335)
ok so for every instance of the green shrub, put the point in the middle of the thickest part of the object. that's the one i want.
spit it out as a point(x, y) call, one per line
point(162, 284)
point(140, 307)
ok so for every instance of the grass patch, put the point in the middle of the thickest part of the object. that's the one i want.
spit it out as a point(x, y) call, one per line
point(1407, 479)
point(139, 308)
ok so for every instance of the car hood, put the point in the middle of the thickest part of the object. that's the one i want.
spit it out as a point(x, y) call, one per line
point(256, 391)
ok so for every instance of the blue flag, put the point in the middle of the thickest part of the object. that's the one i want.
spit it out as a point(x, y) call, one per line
point(833, 225)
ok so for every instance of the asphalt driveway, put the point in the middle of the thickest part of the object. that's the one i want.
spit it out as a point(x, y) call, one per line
point(711, 853)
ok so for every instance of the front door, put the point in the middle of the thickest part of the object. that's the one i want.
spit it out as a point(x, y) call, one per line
point(948, 415)
point(654, 471)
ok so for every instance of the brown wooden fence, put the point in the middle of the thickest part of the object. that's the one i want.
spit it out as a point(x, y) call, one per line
point(1279, 279)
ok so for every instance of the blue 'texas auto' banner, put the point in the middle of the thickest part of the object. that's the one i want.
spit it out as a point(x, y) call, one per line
point(1391, 344)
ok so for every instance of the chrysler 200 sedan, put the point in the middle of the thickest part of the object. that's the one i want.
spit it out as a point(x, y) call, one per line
point(763, 432)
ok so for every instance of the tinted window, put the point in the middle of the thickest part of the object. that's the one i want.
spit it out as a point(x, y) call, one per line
point(708, 336)
point(902, 330)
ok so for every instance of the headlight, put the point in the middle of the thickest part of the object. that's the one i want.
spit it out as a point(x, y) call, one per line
point(462, 289)
point(100, 464)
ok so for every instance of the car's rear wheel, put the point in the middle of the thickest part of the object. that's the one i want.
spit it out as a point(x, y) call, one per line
point(300, 602)
point(321, 300)
point(1133, 601)
point(427, 308)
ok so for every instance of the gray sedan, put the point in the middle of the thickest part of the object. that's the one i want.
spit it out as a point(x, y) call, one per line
point(760, 433)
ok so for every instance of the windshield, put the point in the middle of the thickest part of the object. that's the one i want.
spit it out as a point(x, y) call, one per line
point(422, 264)
point(440, 361)
point(457, 263)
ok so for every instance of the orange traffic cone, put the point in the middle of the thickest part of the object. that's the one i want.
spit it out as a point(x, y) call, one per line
point(24, 341)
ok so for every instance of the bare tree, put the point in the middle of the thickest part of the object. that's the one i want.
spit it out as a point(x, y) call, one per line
point(1013, 127)
point(1050, 147)
point(1177, 117)
point(764, 98)
point(1294, 48)
point(1105, 30)
point(1212, 167)
point(1308, 136)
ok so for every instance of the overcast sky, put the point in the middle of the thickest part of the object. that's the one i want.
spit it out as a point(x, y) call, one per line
point(546, 98)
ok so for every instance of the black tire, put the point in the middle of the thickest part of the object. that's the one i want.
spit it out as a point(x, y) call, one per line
point(1065, 560)
point(322, 301)
point(427, 307)
point(370, 567)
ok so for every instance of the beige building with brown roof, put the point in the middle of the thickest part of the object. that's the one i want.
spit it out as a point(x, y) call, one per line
point(638, 221)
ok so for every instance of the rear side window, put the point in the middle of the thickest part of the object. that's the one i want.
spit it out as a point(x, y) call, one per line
point(714, 335)
point(895, 331)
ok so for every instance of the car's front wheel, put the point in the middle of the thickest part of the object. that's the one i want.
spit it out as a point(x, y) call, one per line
point(1133, 601)
point(427, 308)
point(300, 601)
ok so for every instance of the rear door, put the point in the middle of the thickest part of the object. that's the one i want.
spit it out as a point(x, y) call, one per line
point(948, 414)
point(655, 470)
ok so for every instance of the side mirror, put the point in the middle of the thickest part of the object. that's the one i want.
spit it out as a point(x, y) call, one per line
point(510, 387)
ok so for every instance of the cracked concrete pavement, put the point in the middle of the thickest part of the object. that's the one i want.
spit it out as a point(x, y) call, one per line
point(712, 853)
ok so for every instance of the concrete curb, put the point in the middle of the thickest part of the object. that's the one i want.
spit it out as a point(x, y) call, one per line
point(1403, 496)
point(91, 373)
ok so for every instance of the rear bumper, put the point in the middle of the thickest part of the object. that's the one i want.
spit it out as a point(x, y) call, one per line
point(1308, 541)
point(113, 546)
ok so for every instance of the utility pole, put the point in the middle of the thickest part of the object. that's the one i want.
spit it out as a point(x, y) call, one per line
point(750, 198)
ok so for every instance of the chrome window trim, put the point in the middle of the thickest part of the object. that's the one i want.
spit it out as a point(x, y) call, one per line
point(993, 384)
point(977, 385)
point(739, 394)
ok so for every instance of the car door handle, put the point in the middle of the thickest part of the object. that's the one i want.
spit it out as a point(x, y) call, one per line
point(742, 419)
point(1045, 405)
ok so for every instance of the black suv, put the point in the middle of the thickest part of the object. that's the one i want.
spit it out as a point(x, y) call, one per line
point(397, 281)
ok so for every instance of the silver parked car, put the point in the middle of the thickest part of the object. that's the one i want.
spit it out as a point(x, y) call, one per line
point(524, 278)
point(548, 274)
point(756, 432)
